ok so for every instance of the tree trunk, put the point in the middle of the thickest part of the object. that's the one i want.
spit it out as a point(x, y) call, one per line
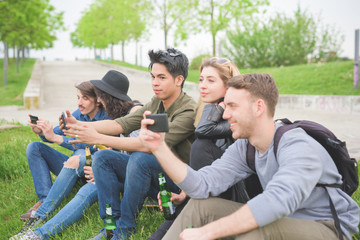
point(213, 44)
point(95, 53)
point(213, 33)
point(23, 56)
point(136, 52)
point(112, 52)
point(166, 30)
point(123, 50)
point(6, 55)
point(14, 54)
point(17, 59)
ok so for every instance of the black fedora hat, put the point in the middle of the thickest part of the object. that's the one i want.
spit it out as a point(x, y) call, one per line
point(114, 83)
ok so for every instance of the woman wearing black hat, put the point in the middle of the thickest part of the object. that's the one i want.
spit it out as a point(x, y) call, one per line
point(111, 92)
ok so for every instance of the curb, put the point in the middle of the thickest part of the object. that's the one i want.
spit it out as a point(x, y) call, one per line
point(327, 103)
point(32, 93)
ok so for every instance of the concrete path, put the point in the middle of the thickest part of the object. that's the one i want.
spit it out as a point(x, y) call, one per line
point(59, 79)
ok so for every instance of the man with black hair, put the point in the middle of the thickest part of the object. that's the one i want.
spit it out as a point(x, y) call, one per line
point(138, 172)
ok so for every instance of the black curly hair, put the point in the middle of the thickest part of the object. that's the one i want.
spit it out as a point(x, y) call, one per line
point(114, 107)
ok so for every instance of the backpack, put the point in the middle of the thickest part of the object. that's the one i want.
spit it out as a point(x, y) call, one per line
point(346, 166)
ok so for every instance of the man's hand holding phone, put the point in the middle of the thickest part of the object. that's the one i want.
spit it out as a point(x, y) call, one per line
point(151, 140)
point(33, 124)
point(66, 119)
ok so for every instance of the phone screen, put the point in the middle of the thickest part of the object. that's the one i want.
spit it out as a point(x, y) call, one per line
point(63, 120)
point(161, 122)
point(33, 119)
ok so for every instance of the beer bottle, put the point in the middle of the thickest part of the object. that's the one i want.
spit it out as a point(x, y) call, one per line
point(109, 222)
point(165, 195)
point(88, 160)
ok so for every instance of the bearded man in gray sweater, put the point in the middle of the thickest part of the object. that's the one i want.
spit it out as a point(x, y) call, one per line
point(290, 207)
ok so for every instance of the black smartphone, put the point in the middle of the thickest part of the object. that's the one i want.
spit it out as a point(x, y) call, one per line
point(63, 120)
point(33, 119)
point(161, 122)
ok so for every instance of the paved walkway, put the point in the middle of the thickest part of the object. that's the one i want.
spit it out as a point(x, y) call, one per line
point(59, 79)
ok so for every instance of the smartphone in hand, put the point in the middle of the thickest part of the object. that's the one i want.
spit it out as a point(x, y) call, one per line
point(161, 122)
point(33, 119)
point(63, 120)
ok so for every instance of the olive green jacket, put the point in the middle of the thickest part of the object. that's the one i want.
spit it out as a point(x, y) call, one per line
point(181, 116)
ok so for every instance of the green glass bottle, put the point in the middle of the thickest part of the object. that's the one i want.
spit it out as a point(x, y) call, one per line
point(165, 195)
point(88, 160)
point(109, 222)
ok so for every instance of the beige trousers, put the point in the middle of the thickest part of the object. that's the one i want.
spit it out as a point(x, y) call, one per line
point(200, 212)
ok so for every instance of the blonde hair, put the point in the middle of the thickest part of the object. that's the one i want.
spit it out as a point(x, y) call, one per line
point(224, 66)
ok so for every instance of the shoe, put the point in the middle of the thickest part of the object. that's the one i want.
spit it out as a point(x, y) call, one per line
point(31, 224)
point(101, 235)
point(26, 216)
point(28, 235)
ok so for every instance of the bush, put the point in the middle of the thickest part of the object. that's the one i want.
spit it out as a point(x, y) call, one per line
point(197, 61)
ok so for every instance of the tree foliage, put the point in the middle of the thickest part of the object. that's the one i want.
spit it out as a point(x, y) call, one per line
point(176, 17)
point(29, 23)
point(215, 16)
point(109, 22)
point(281, 41)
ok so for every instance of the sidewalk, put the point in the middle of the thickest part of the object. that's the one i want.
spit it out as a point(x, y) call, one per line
point(59, 94)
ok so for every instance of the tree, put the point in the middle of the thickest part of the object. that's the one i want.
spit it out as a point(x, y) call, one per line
point(176, 16)
point(109, 22)
point(216, 15)
point(282, 41)
point(250, 47)
point(28, 23)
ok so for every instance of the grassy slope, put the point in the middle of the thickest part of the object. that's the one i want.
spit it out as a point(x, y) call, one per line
point(12, 94)
point(335, 78)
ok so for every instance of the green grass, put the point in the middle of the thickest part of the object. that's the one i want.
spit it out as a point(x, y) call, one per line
point(334, 78)
point(125, 64)
point(12, 94)
point(18, 194)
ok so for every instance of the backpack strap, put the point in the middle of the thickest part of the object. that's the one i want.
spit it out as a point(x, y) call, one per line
point(335, 216)
point(250, 156)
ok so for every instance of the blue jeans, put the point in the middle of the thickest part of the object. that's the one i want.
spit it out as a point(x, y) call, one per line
point(139, 174)
point(43, 160)
point(74, 210)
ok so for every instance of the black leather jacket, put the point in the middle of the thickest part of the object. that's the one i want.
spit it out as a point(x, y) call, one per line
point(213, 126)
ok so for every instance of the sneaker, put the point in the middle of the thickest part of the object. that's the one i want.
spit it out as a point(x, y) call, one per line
point(27, 215)
point(101, 235)
point(31, 224)
point(29, 235)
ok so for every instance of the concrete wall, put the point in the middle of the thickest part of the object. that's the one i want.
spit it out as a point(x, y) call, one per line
point(337, 104)
point(33, 94)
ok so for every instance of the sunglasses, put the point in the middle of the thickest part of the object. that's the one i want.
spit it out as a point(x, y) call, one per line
point(220, 60)
point(174, 54)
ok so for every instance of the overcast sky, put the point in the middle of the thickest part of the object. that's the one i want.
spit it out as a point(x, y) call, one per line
point(344, 14)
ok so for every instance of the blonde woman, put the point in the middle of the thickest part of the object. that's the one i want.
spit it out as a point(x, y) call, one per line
point(213, 134)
